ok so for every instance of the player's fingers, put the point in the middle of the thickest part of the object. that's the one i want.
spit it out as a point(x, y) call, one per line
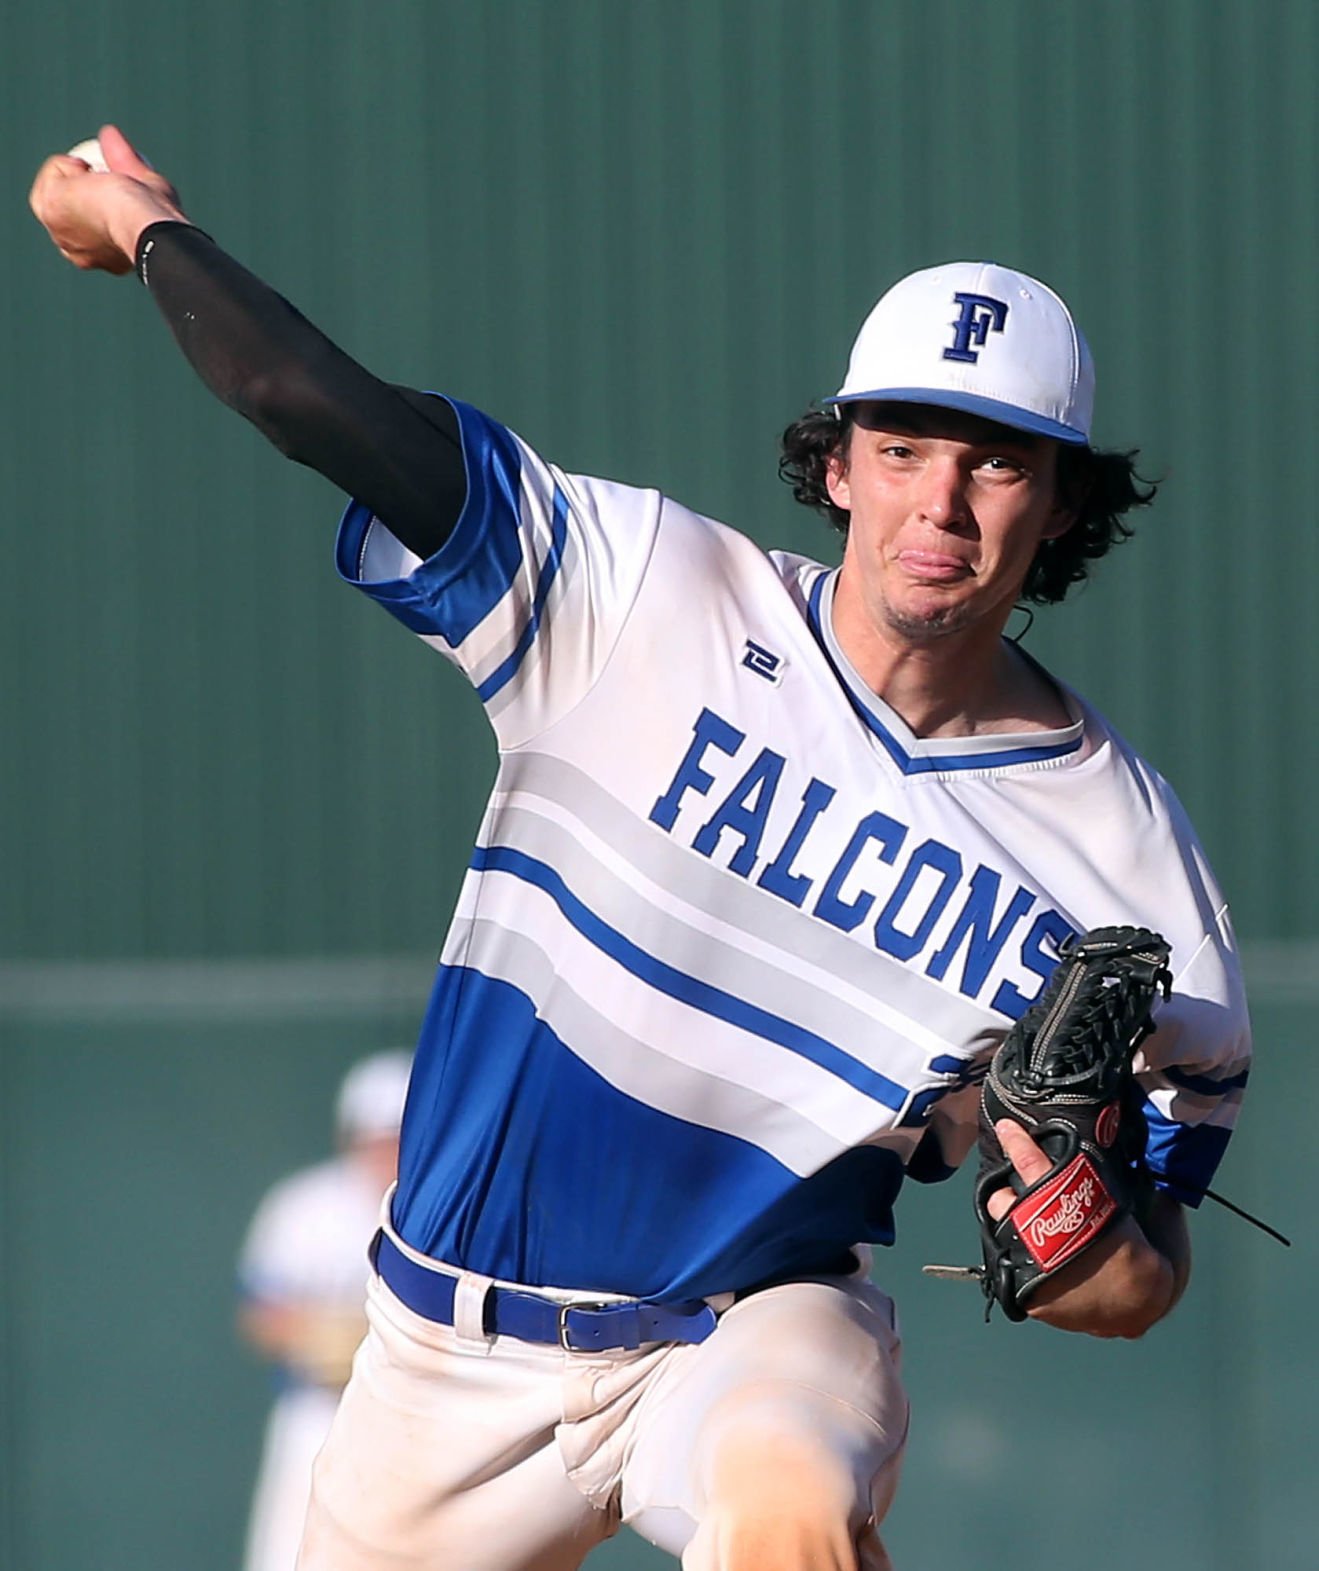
point(46, 197)
point(1027, 1157)
point(56, 169)
point(120, 154)
point(999, 1204)
point(67, 201)
point(122, 158)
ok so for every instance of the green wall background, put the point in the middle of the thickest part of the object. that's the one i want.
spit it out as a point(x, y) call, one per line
point(642, 233)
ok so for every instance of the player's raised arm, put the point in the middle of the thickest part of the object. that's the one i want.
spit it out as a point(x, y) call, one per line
point(395, 450)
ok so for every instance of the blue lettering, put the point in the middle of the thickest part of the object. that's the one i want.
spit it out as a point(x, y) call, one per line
point(918, 899)
point(778, 877)
point(1047, 926)
point(745, 812)
point(710, 731)
point(888, 935)
point(973, 926)
point(889, 835)
point(979, 314)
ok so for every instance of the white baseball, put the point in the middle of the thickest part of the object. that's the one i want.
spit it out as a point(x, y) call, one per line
point(91, 154)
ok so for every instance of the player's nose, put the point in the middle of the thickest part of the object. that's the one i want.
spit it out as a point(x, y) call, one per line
point(942, 493)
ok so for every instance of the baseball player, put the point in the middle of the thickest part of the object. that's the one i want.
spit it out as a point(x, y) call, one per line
point(302, 1278)
point(776, 855)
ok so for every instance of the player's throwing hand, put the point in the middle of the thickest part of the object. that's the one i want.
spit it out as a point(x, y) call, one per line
point(95, 218)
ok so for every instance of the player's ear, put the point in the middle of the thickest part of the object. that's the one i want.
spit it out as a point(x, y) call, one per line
point(1060, 521)
point(836, 481)
point(1069, 494)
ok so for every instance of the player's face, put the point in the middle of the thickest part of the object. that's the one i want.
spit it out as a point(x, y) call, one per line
point(947, 512)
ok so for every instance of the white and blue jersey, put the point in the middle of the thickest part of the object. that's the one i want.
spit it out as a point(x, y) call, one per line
point(734, 945)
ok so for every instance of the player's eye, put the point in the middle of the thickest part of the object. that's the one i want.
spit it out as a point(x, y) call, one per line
point(1000, 465)
point(897, 450)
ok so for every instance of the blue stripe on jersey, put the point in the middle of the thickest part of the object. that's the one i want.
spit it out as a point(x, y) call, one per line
point(1183, 1157)
point(688, 989)
point(504, 673)
point(453, 591)
point(918, 764)
point(1203, 1085)
point(520, 1161)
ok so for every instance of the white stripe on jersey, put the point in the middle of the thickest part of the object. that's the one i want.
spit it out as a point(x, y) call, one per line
point(711, 1074)
point(659, 878)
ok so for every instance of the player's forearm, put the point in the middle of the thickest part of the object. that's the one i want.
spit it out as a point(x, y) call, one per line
point(394, 450)
point(1165, 1227)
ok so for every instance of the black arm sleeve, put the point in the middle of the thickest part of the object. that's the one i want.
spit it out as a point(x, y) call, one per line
point(396, 450)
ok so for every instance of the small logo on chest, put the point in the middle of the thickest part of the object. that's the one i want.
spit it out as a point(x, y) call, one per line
point(764, 662)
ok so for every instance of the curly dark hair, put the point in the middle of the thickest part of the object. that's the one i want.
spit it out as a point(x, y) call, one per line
point(1100, 487)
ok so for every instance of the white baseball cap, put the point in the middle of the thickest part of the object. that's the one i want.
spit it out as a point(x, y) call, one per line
point(371, 1097)
point(981, 338)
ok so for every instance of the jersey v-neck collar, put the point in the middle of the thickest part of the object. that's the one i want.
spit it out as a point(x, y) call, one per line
point(935, 755)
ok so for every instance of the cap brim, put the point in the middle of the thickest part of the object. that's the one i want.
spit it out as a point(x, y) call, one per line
point(971, 404)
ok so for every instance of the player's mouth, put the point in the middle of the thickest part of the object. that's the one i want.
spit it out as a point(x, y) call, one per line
point(936, 567)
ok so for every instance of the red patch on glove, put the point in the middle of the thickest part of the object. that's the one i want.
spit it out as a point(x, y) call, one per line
point(1059, 1220)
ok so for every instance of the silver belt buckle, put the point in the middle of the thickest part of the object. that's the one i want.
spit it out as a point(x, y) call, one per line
point(579, 1303)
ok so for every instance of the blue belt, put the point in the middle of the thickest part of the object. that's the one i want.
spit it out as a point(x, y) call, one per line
point(583, 1326)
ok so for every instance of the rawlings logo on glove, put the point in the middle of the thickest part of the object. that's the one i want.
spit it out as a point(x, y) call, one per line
point(1064, 1216)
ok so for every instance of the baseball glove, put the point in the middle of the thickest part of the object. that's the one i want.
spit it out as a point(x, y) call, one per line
point(1063, 1072)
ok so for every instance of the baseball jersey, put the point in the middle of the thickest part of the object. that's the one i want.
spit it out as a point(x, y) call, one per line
point(735, 945)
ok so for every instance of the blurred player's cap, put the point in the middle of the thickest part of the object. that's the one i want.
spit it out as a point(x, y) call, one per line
point(981, 338)
point(371, 1098)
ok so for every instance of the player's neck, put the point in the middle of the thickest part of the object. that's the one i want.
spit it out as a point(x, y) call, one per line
point(954, 683)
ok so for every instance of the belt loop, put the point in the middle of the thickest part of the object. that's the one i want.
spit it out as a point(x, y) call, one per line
point(469, 1296)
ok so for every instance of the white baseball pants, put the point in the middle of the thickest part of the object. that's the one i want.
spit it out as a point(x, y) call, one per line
point(774, 1445)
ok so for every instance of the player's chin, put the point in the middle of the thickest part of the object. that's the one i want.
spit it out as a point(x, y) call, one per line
point(931, 614)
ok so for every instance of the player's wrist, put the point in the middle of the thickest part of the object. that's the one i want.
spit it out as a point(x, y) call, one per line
point(129, 223)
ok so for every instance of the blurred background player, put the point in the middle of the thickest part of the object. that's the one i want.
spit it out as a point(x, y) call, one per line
point(302, 1275)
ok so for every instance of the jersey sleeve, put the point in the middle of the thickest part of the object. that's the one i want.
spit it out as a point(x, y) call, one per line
point(1194, 1068)
point(528, 595)
point(1192, 1072)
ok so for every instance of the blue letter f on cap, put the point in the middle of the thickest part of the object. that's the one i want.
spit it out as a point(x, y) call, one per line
point(980, 313)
